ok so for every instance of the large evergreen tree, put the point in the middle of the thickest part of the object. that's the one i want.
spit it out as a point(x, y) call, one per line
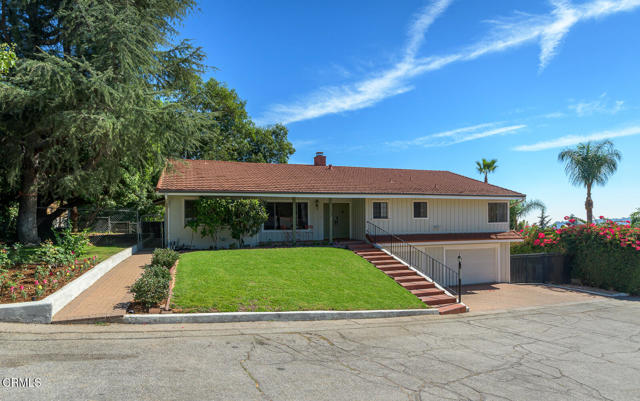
point(97, 95)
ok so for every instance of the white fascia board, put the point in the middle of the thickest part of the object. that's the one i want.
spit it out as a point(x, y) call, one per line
point(339, 196)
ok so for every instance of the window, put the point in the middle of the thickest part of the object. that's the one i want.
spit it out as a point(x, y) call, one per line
point(420, 210)
point(189, 210)
point(280, 216)
point(498, 212)
point(380, 210)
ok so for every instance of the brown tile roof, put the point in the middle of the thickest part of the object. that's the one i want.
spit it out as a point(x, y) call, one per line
point(507, 235)
point(236, 177)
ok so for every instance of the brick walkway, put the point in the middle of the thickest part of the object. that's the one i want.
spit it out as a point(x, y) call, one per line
point(109, 296)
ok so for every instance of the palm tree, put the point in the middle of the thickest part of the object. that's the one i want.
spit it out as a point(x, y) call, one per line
point(486, 166)
point(590, 163)
point(522, 208)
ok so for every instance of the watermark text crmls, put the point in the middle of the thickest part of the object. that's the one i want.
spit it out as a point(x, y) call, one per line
point(21, 382)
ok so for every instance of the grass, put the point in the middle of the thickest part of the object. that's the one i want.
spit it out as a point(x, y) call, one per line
point(101, 252)
point(285, 279)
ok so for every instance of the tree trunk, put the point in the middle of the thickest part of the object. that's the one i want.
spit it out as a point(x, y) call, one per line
point(74, 219)
point(588, 205)
point(27, 224)
point(486, 179)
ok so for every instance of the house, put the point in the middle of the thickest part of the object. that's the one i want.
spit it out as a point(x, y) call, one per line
point(441, 213)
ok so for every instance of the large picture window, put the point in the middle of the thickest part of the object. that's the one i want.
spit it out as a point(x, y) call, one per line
point(380, 210)
point(281, 216)
point(420, 210)
point(498, 212)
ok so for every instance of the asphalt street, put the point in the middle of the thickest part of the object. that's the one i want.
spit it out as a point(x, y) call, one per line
point(578, 351)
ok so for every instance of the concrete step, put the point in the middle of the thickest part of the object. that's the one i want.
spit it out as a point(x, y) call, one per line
point(383, 261)
point(438, 300)
point(399, 273)
point(427, 292)
point(450, 309)
point(397, 266)
point(409, 279)
point(372, 253)
point(417, 285)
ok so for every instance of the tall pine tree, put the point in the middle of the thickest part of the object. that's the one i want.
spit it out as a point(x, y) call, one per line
point(96, 95)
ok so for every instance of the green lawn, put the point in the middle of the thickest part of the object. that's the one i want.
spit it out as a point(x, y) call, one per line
point(101, 252)
point(285, 279)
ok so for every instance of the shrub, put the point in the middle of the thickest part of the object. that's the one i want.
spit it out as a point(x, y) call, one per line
point(75, 244)
point(605, 255)
point(164, 257)
point(152, 287)
point(52, 255)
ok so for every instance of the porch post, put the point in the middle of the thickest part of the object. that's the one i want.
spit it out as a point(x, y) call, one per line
point(330, 221)
point(295, 221)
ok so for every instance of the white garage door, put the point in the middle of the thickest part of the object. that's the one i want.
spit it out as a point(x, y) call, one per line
point(478, 265)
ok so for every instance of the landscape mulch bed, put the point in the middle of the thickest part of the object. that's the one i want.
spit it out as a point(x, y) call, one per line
point(28, 281)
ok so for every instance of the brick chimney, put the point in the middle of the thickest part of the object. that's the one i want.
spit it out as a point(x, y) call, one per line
point(320, 159)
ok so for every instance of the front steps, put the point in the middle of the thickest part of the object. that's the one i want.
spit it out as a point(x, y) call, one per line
point(422, 288)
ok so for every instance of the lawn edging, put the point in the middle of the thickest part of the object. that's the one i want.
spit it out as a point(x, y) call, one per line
point(42, 311)
point(231, 317)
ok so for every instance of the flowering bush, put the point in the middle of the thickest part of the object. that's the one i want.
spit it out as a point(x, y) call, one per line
point(605, 255)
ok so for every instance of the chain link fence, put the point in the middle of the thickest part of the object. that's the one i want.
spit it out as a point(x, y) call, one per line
point(109, 227)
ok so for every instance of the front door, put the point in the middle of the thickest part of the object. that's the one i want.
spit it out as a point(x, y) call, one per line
point(340, 220)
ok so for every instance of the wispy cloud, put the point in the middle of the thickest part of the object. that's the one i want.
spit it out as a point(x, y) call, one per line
point(303, 143)
point(458, 135)
point(506, 33)
point(571, 140)
point(600, 105)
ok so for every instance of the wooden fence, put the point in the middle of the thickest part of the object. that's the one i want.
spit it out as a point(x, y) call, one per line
point(540, 268)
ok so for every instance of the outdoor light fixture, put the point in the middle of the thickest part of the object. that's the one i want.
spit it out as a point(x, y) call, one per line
point(317, 203)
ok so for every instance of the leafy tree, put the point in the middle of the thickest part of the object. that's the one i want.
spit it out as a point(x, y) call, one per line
point(486, 166)
point(519, 209)
point(97, 95)
point(211, 215)
point(7, 58)
point(543, 219)
point(246, 218)
point(229, 132)
point(588, 164)
point(243, 217)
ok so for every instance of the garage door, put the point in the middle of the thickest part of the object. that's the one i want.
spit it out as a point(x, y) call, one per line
point(478, 265)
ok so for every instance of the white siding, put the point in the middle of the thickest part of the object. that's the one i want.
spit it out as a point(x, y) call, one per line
point(179, 235)
point(444, 216)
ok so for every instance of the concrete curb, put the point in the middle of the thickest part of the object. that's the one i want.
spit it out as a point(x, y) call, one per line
point(230, 317)
point(42, 311)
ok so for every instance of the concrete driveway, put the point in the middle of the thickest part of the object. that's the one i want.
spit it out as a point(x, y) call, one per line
point(501, 296)
point(579, 351)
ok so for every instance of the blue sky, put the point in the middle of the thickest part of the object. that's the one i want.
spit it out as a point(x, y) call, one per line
point(440, 84)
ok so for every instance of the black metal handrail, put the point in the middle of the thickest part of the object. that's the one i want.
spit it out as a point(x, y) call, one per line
point(437, 271)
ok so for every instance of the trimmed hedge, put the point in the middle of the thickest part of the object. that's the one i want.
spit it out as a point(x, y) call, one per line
point(164, 257)
point(603, 264)
point(606, 255)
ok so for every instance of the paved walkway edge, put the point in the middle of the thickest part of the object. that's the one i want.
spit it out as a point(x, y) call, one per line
point(230, 317)
point(42, 311)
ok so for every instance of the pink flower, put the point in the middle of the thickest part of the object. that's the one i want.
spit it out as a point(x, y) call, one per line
point(73, 252)
point(21, 287)
point(572, 221)
point(566, 217)
point(536, 242)
point(541, 235)
point(12, 288)
point(44, 281)
point(602, 217)
point(36, 282)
